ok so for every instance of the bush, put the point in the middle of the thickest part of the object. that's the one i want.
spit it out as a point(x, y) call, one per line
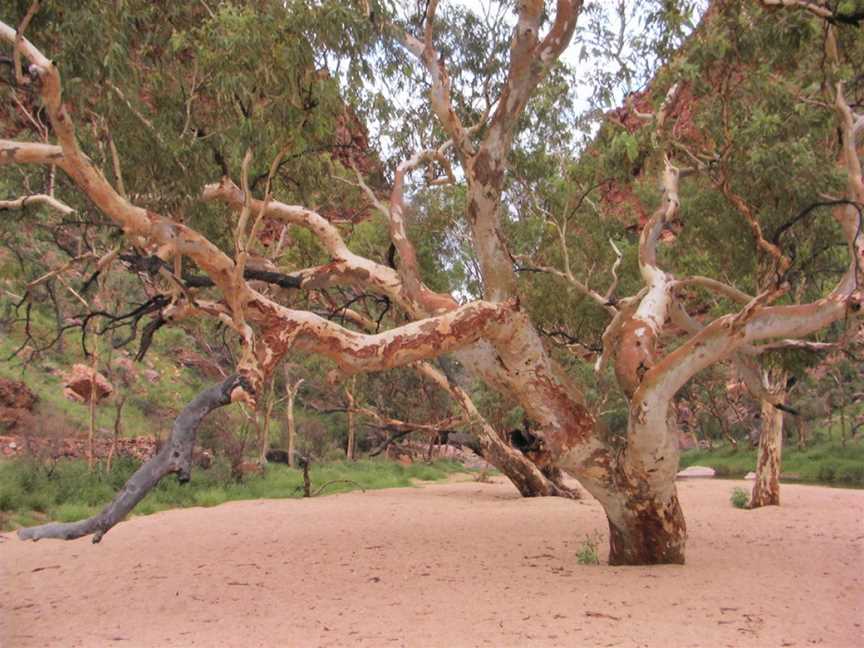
point(588, 553)
point(851, 474)
point(722, 470)
point(739, 498)
point(827, 472)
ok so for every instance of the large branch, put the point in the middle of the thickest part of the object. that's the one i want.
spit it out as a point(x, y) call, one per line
point(639, 334)
point(174, 457)
point(37, 199)
point(530, 61)
point(408, 269)
point(439, 94)
point(14, 152)
point(354, 352)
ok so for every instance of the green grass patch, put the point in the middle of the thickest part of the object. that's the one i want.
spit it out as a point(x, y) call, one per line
point(739, 498)
point(589, 550)
point(824, 463)
point(30, 493)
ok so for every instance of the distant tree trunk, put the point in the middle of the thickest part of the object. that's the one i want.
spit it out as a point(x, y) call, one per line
point(349, 451)
point(91, 430)
point(118, 430)
point(289, 441)
point(842, 402)
point(766, 489)
point(264, 426)
point(802, 433)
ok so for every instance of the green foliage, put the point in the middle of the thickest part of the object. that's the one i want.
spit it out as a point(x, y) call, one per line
point(69, 492)
point(822, 463)
point(589, 553)
point(739, 498)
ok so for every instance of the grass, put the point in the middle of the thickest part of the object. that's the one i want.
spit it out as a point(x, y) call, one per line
point(30, 494)
point(739, 498)
point(163, 399)
point(822, 463)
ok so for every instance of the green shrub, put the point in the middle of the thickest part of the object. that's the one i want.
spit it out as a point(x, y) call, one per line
point(827, 472)
point(8, 500)
point(739, 498)
point(72, 512)
point(588, 553)
point(850, 473)
point(722, 470)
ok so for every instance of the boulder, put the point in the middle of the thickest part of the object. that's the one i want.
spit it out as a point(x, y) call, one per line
point(16, 402)
point(188, 358)
point(696, 471)
point(79, 381)
point(16, 394)
point(751, 476)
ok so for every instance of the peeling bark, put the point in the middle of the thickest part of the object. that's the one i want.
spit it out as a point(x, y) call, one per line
point(766, 489)
point(647, 531)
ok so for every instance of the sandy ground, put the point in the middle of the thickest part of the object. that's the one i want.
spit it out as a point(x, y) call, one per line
point(460, 564)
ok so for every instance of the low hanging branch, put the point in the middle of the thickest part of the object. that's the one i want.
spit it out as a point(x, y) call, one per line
point(175, 457)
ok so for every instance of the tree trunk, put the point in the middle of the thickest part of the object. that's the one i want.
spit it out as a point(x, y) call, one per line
point(289, 440)
point(91, 428)
point(646, 531)
point(766, 490)
point(118, 430)
point(349, 392)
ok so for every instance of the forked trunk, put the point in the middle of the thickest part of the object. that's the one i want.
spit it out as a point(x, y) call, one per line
point(766, 490)
point(647, 531)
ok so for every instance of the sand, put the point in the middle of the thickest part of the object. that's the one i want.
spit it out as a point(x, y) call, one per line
point(458, 564)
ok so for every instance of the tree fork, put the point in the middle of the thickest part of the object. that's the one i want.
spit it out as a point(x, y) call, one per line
point(174, 457)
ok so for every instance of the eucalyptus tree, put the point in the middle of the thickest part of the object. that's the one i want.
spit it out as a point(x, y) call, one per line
point(495, 338)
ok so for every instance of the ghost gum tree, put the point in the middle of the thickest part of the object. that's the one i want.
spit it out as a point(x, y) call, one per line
point(495, 338)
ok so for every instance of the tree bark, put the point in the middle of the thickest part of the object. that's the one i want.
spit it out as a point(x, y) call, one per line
point(174, 457)
point(349, 450)
point(290, 440)
point(766, 490)
point(646, 530)
point(118, 430)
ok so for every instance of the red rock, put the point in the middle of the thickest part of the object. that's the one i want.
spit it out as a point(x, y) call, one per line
point(16, 394)
point(16, 402)
point(188, 358)
point(79, 381)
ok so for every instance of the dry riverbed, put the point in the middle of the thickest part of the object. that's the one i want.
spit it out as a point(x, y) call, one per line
point(459, 564)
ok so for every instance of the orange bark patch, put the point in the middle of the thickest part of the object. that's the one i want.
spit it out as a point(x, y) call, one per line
point(634, 355)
